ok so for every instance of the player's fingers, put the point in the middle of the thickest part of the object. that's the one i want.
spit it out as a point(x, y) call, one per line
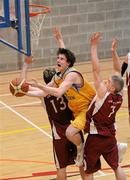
point(98, 35)
point(54, 30)
point(34, 80)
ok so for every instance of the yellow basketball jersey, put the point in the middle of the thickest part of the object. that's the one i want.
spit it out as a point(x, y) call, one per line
point(78, 98)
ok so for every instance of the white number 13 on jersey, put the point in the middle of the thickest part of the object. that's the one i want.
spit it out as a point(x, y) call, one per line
point(62, 104)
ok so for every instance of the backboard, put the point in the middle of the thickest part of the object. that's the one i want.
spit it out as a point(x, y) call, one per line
point(20, 22)
point(15, 25)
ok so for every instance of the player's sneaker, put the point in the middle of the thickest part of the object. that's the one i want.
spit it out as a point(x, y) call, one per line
point(79, 157)
point(121, 150)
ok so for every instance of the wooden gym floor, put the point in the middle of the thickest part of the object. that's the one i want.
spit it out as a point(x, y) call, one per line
point(25, 135)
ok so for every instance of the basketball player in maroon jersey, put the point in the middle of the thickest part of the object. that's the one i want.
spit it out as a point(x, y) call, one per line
point(57, 109)
point(126, 67)
point(59, 116)
point(101, 118)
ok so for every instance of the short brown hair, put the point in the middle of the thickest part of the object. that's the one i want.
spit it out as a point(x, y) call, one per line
point(118, 83)
point(48, 74)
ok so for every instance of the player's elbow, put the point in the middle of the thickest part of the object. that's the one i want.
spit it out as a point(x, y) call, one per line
point(58, 93)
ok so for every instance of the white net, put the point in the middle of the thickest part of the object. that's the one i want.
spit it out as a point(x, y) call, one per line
point(37, 17)
point(36, 24)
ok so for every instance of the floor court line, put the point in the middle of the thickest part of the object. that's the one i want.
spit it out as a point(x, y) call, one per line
point(23, 130)
point(25, 119)
point(47, 173)
point(22, 104)
point(33, 103)
point(33, 129)
point(102, 171)
point(26, 161)
point(106, 174)
point(44, 126)
point(5, 94)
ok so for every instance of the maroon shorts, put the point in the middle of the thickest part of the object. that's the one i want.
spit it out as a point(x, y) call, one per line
point(64, 152)
point(97, 145)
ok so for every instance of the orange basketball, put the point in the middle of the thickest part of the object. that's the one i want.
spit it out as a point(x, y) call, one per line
point(18, 88)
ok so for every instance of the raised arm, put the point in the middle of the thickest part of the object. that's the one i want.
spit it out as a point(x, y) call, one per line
point(27, 61)
point(95, 38)
point(99, 85)
point(59, 38)
point(33, 91)
point(115, 57)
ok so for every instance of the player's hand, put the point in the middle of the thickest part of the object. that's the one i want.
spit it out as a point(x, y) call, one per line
point(33, 83)
point(114, 44)
point(29, 59)
point(57, 34)
point(95, 38)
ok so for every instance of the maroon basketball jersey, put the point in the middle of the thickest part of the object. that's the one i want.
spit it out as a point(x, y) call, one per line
point(101, 114)
point(59, 114)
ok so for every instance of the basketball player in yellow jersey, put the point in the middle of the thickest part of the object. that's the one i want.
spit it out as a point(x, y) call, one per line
point(79, 95)
point(70, 82)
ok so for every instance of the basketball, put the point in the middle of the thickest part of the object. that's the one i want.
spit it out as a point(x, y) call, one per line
point(18, 88)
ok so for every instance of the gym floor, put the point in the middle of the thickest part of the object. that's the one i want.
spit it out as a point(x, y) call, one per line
point(25, 134)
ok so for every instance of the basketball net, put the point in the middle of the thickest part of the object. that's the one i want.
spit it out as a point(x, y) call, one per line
point(36, 22)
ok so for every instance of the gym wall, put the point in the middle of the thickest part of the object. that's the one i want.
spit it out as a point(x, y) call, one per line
point(77, 19)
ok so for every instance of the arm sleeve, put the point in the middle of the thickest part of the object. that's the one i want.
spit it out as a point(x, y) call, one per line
point(123, 68)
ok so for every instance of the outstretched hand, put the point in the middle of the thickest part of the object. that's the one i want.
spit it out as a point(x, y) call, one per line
point(34, 83)
point(59, 38)
point(57, 34)
point(95, 38)
point(114, 44)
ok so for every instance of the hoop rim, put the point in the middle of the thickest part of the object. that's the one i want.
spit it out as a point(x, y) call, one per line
point(45, 9)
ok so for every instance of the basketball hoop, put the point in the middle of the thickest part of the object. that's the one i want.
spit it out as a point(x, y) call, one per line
point(37, 18)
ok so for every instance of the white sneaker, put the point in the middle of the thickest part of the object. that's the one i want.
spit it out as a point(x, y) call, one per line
point(79, 158)
point(121, 150)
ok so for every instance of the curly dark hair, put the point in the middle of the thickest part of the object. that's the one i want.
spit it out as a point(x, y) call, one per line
point(48, 74)
point(68, 54)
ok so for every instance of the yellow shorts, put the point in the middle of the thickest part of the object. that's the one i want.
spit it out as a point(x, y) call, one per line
point(80, 121)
